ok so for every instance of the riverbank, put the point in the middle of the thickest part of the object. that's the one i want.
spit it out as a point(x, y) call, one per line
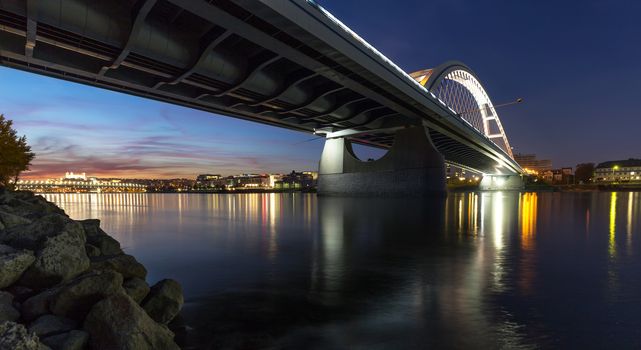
point(66, 284)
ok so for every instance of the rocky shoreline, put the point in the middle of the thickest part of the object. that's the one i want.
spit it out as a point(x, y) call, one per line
point(66, 284)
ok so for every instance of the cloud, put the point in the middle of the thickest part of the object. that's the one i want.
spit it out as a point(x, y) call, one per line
point(152, 156)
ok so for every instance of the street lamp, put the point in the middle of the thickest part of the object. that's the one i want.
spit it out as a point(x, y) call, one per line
point(616, 167)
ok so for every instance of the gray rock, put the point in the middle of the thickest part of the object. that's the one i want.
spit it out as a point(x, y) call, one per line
point(74, 340)
point(91, 227)
point(32, 207)
point(62, 258)
point(47, 325)
point(98, 238)
point(136, 288)
point(78, 296)
point(34, 235)
point(14, 336)
point(5, 195)
point(106, 244)
point(117, 322)
point(10, 220)
point(37, 305)
point(7, 311)
point(92, 250)
point(164, 301)
point(20, 293)
point(13, 263)
point(125, 264)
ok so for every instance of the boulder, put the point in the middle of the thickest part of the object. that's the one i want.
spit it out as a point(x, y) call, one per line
point(92, 250)
point(98, 238)
point(7, 311)
point(73, 340)
point(125, 264)
point(164, 301)
point(14, 336)
point(62, 258)
point(105, 244)
point(37, 305)
point(117, 322)
point(20, 293)
point(92, 227)
point(78, 296)
point(136, 288)
point(27, 205)
point(5, 195)
point(47, 325)
point(10, 220)
point(34, 235)
point(13, 263)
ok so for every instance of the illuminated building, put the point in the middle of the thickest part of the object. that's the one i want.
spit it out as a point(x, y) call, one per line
point(532, 165)
point(558, 176)
point(77, 183)
point(618, 171)
point(297, 180)
point(209, 180)
point(250, 181)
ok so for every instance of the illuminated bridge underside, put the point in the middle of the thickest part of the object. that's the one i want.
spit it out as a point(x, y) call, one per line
point(285, 63)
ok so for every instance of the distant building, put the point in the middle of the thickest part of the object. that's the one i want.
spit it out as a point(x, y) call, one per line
point(78, 183)
point(208, 180)
point(558, 176)
point(532, 165)
point(297, 180)
point(617, 171)
point(249, 181)
point(69, 175)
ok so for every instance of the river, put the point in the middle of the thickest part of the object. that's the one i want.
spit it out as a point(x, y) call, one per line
point(472, 270)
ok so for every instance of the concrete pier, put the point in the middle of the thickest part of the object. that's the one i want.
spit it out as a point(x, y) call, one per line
point(411, 167)
point(501, 183)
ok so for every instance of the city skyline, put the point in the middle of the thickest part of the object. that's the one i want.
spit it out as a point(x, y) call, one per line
point(80, 128)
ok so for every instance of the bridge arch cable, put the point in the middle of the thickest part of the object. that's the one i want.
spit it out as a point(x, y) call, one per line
point(458, 87)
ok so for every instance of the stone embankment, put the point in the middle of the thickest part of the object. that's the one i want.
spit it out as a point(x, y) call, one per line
point(66, 284)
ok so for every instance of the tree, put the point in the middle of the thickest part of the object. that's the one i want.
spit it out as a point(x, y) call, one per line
point(15, 154)
point(584, 172)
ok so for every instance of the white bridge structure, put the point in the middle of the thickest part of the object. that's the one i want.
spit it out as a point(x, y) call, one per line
point(287, 63)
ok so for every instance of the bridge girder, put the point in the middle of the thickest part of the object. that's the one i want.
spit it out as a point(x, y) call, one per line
point(283, 63)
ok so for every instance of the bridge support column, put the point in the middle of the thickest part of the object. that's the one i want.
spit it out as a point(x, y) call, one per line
point(411, 167)
point(501, 183)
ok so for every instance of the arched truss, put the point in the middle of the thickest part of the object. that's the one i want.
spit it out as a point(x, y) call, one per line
point(458, 87)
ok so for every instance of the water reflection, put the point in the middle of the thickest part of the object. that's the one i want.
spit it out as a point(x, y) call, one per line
point(473, 270)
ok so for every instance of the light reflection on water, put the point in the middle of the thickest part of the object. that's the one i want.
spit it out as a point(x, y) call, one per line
point(473, 270)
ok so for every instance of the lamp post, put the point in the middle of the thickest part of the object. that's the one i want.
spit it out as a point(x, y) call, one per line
point(616, 167)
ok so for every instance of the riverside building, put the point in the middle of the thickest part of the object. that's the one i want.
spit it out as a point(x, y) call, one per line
point(532, 165)
point(618, 171)
point(78, 183)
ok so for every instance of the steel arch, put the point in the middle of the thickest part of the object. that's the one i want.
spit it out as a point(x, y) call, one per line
point(459, 88)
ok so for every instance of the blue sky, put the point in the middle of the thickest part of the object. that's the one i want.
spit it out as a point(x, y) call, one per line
point(73, 127)
point(577, 64)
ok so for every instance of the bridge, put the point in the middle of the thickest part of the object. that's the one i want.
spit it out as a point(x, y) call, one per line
point(287, 63)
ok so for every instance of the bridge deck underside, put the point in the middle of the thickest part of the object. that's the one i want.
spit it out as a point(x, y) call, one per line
point(225, 60)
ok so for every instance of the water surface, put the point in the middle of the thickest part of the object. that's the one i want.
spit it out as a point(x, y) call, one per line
point(473, 270)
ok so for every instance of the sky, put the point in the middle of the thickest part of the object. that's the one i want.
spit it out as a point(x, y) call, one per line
point(576, 64)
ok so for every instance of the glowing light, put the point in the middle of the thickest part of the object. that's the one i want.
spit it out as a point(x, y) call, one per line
point(613, 218)
point(528, 219)
point(497, 219)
